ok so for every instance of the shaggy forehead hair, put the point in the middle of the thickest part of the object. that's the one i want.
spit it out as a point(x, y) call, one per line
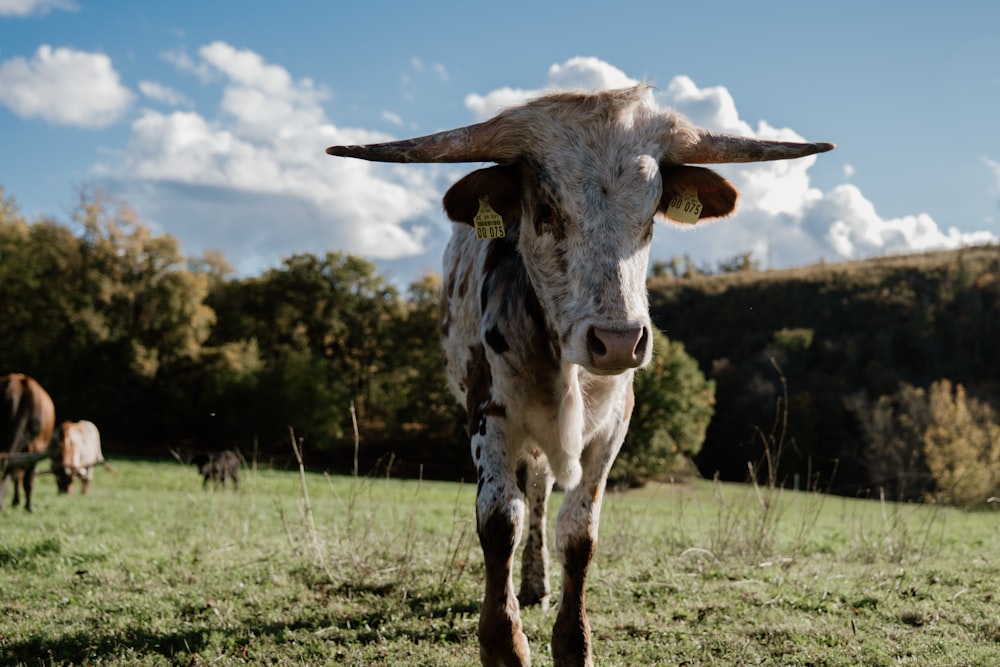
point(610, 121)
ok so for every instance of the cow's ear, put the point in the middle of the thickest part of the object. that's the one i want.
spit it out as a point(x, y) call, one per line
point(499, 186)
point(716, 195)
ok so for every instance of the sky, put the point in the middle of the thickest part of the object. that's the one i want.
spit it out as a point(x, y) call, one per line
point(210, 118)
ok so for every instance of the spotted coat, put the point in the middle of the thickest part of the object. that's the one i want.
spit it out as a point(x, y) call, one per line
point(544, 326)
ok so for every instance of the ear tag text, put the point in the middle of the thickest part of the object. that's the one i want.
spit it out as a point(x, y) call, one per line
point(685, 207)
point(488, 223)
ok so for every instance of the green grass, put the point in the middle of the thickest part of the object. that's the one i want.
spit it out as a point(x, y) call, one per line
point(149, 569)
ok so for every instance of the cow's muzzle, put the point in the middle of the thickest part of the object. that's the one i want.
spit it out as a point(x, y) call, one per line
point(617, 350)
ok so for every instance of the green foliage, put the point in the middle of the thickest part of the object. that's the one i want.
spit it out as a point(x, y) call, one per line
point(835, 330)
point(330, 331)
point(794, 341)
point(125, 331)
point(962, 446)
point(162, 350)
point(739, 263)
point(938, 443)
point(100, 318)
point(893, 427)
point(424, 406)
point(673, 406)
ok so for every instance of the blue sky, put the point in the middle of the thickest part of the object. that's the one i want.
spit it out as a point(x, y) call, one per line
point(210, 118)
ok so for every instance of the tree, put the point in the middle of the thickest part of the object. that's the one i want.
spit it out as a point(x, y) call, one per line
point(324, 329)
point(424, 403)
point(962, 446)
point(101, 316)
point(674, 403)
point(739, 263)
point(894, 427)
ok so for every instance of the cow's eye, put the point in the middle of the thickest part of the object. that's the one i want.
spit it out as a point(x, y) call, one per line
point(548, 219)
point(647, 235)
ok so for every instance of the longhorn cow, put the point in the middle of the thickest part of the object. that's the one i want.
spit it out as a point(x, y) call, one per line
point(27, 418)
point(544, 316)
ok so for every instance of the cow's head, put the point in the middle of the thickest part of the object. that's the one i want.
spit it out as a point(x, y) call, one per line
point(63, 453)
point(578, 182)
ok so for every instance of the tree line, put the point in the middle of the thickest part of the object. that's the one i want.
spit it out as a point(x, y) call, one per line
point(874, 376)
point(168, 352)
point(882, 375)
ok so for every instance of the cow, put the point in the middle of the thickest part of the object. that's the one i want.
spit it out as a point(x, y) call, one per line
point(76, 450)
point(217, 467)
point(544, 316)
point(27, 419)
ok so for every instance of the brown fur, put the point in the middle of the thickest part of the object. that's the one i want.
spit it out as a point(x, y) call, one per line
point(27, 419)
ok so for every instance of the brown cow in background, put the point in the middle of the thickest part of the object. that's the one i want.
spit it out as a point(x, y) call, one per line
point(27, 418)
point(77, 450)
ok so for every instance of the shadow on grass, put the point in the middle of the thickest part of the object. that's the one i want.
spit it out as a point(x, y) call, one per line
point(29, 554)
point(313, 633)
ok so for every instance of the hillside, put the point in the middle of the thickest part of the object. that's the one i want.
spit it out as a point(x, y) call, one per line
point(838, 332)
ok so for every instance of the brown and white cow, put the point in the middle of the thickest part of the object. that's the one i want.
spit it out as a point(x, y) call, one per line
point(27, 417)
point(544, 315)
point(77, 450)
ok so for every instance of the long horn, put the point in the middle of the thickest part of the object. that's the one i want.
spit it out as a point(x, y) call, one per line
point(719, 148)
point(473, 143)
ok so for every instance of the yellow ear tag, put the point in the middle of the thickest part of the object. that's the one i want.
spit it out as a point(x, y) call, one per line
point(488, 223)
point(685, 207)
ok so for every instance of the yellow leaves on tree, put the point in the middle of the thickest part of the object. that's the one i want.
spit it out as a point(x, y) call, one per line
point(961, 446)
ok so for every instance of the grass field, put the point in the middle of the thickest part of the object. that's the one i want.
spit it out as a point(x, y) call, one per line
point(149, 569)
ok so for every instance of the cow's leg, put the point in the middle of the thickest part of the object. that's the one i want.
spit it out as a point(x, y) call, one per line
point(537, 485)
point(576, 542)
point(18, 482)
point(29, 485)
point(10, 477)
point(499, 517)
point(84, 484)
point(5, 482)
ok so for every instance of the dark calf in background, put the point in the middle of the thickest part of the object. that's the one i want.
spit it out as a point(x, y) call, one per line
point(217, 467)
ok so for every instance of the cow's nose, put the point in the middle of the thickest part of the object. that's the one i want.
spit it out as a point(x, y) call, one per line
point(616, 350)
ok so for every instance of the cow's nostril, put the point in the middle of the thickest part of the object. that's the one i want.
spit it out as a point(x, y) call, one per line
point(595, 346)
point(640, 348)
point(615, 350)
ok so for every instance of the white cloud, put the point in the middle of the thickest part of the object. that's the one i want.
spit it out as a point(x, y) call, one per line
point(484, 106)
point(783, 219)
point(852, 227)
point(64, 86)
point(441, 71)
point(588, 74)
point(34, 7)
point(183, 62)
point(995, 168)
point(579, 72)
point(255, 181)
point(391, 117)
point(164, 94)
